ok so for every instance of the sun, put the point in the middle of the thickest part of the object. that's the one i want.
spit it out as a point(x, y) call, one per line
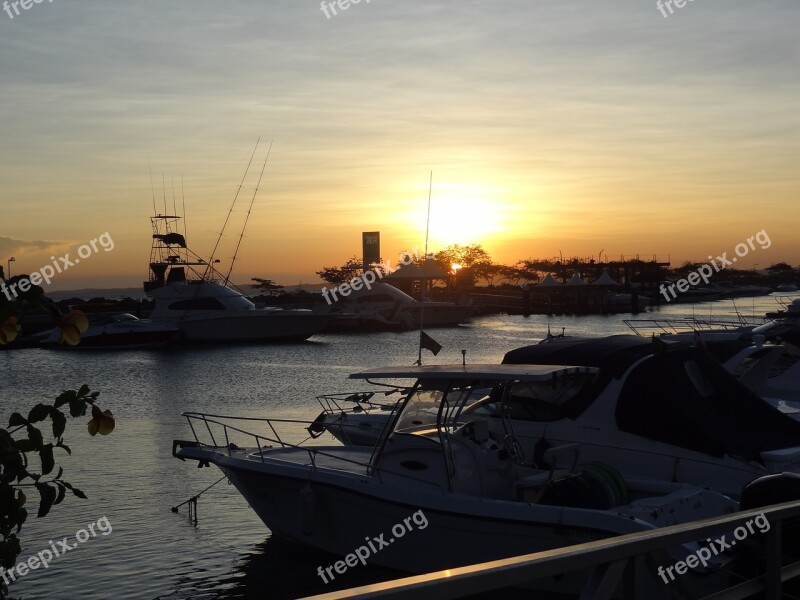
point(463, 214)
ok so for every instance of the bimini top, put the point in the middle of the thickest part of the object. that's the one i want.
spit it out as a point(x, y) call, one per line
point(613, 353)
point(484, 372)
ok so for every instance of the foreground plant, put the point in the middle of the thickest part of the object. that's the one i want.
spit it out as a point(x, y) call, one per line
point(28, 463)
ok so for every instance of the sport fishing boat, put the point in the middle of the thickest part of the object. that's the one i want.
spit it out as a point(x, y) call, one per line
point(202, 304)
point(479, 494)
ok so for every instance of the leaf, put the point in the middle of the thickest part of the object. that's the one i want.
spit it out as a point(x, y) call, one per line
point(65, 447)
point(65, 397)
point(24, 445)
point(48, 496)
point(59, 422)
point(77, 408)
point(62, 491)
point(83, 391)
point(22, 516)
point(39, 413)
point(16, 420)
point(48, 462)
point(35, 436)
point(75, 490)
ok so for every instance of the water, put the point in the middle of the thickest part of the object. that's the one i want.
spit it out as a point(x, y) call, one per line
point(131, 478)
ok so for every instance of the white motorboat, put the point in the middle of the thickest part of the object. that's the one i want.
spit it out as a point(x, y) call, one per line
point(116, 330)
point(476, 496)
point(664, 410)
point(204, 307)
point(386, 308)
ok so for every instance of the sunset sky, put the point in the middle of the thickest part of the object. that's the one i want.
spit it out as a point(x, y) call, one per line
point(549, 126)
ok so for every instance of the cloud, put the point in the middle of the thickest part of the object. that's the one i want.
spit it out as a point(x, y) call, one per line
point(10, 246)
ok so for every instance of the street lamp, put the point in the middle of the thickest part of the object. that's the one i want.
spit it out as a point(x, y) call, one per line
point(10, 260)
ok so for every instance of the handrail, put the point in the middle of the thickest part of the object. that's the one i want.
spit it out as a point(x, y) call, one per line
point(313, 451)
point(609, 557)
point(335, 403)
point(672, 326)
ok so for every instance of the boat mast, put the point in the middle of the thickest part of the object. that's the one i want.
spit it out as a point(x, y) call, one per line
point(247, 217)
point(230, 210)
point(422, 280)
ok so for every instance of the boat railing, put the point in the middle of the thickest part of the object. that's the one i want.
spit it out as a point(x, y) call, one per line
point(620, 566)
point(647, 327)
point(219, 428)
point(211, 423)
point(360, 401)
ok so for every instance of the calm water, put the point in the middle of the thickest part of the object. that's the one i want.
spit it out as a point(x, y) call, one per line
point(131, 478)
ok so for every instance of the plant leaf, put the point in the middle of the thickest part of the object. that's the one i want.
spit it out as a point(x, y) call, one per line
point(59, 422)
point(16, 419)
point(48, 496)
point(39, 413)
point(48, 462)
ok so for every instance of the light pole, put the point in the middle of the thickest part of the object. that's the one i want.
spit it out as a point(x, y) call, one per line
point(10, 260)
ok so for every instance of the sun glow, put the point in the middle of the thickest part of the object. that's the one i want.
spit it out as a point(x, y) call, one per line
point(462, 214)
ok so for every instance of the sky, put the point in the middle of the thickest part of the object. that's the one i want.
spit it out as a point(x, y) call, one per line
point(549, 126)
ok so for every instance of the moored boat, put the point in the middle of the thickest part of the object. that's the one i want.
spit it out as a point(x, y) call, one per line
point(472, 492)
point(202, 304)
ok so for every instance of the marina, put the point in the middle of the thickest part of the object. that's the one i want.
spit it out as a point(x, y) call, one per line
point(229, 553)
point(399, 300)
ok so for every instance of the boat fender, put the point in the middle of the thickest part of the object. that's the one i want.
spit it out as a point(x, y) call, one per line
point(317, 427)
point(307, 509)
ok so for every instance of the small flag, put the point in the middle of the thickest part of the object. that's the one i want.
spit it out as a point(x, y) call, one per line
point(427, 342)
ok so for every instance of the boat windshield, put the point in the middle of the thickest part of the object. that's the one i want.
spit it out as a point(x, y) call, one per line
point(532, 400)
point(421, 411)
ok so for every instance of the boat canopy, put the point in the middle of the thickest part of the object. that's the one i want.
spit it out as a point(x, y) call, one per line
point(486, 372)
point(686, 398)
point(613, 354)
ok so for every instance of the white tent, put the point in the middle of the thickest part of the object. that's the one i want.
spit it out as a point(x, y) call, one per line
point(548, 281)
point(576, 280)
point(605, 279)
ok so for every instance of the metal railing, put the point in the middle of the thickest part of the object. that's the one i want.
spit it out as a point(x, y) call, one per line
point(622, 562)
point(644, 327)
point(359, 401)
point(211, 421)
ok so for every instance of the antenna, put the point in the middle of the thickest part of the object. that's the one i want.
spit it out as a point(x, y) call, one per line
point(422, 281)
point(152, 188)
point(230, 210)
point(174, 209)
point(183, 199)
point(164, 190)
point(247, 218)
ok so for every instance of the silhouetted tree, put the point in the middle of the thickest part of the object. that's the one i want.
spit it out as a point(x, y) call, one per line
point(780, 267)
point(339, 275)
point(267, 286)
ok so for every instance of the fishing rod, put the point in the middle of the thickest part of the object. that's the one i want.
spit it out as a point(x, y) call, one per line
point(247, 217)
point(230, 211)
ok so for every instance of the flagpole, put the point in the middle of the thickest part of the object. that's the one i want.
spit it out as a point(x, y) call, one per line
point(422, 280)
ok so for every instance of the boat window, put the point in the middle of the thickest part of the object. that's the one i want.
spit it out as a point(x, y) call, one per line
point(746, 364)
point(421, 411)
point(197, 304)
point(783, 364)
point(532, 401)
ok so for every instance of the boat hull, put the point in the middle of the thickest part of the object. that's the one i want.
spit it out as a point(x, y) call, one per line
point(251, 327)
point(352, 515)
